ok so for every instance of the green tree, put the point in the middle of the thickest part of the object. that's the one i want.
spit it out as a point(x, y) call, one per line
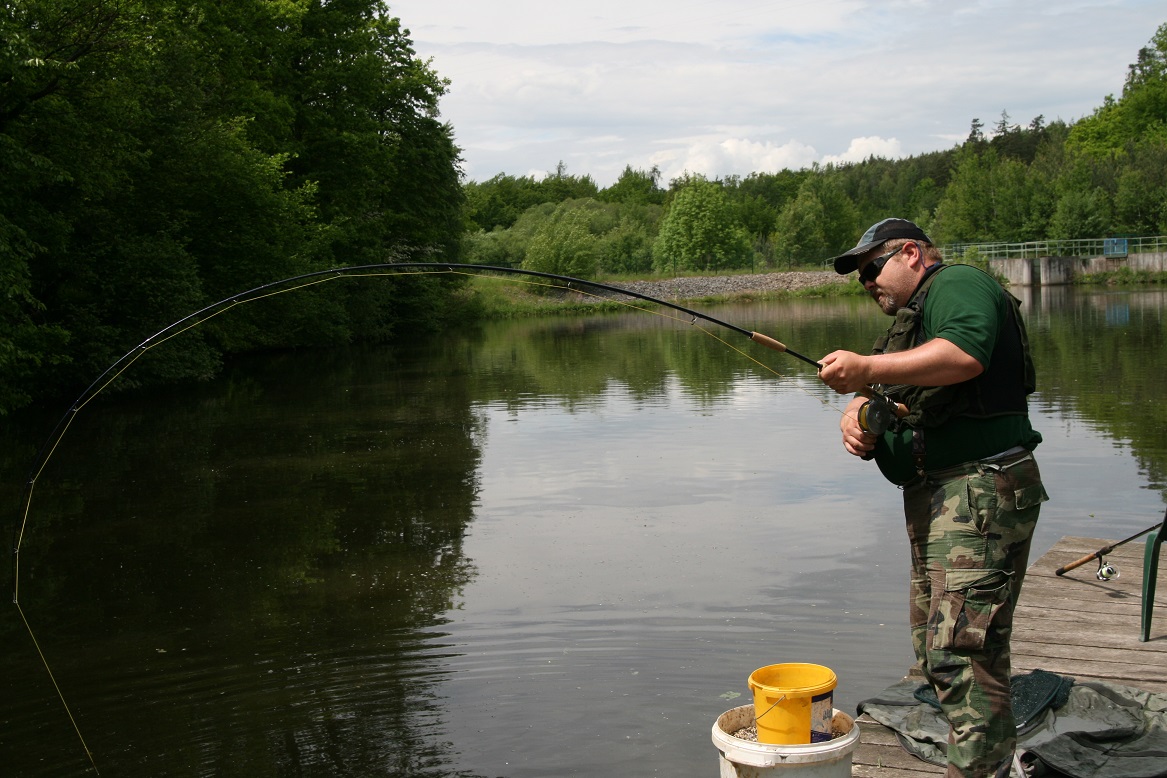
point(1140, 199)
point(500, 201)
point(1080, 214)
point(161, 156)
point(1016, 142)
point(774, 189)
point(559, 186)
point(800, 235)
point(840, 216)
point(1139, 116)
point(699, 232)
point(976, 132)
point(820, 221)
point(564, 245)
point(168, 202)
point(990, 198)
point(1083, 208)
point(909, 187)
point(508, 247)
point(365, 132)
point(759, 220)
point(627, 248)
point(41, 46)
point(623, 235)
point(635, 187)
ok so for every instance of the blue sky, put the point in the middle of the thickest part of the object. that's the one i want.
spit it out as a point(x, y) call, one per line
point(740, 86)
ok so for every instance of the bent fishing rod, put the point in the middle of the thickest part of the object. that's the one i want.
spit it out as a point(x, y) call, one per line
point(1108, 572)
point(874, 417)
point(880, 410)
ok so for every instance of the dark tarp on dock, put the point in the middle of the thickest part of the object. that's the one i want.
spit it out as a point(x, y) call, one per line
point(1090, 729)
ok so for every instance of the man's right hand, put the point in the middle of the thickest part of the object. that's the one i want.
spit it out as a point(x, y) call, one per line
point(857, 441)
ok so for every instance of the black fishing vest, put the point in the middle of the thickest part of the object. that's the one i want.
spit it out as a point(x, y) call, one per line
point(1001, 389)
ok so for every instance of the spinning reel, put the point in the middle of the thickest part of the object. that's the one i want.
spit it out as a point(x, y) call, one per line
point(1106, 572)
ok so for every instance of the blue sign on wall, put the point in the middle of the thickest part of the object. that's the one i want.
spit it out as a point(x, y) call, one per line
point(1114, 247)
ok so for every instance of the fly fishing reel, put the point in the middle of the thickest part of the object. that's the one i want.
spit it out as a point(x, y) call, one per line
point(876, 415)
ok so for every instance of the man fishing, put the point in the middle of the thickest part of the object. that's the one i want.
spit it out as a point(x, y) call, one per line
point(957, 356)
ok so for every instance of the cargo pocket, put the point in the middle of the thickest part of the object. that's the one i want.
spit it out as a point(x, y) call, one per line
point(963, 612)
point(1019, 486)
point(1027, 497)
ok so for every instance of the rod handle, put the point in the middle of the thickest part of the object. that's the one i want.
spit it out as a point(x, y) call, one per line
point(767, 341)
point(1078, 563)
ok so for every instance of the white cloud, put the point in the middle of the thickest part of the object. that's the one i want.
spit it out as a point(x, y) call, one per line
point(748, 85)
point(862, 148)
point(732, 156)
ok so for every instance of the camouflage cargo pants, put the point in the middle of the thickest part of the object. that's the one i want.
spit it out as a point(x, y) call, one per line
point(970, 530)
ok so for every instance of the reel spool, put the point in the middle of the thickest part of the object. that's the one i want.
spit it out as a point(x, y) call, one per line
point(876, 415)
point(1106, 572)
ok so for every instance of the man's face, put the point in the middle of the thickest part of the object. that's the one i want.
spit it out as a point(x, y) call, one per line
point(894, 283)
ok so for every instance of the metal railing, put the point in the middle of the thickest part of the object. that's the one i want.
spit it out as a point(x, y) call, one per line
point(1080, 247)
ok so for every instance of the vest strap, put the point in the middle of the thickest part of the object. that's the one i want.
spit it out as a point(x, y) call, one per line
point(918, 450)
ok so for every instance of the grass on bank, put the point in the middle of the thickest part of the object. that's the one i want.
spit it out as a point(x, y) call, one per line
point(1124, 276)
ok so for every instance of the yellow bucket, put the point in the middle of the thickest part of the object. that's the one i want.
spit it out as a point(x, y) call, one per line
point(793, 703)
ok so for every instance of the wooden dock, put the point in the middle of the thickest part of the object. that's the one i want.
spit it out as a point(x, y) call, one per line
point(1074, 625)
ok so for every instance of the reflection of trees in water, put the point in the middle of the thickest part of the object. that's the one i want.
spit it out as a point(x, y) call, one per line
point(260, 562)
point(1099, 356)
point(1098, 353)
point(576, 359)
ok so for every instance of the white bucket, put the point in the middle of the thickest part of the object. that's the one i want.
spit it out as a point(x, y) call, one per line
point(748, 759)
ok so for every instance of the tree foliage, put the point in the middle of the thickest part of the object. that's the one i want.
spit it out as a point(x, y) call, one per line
point(635, 187)
point(698, 232)
point(1139, 116)
point(500, 201)
point(564, 245)
point(618, 238)
point(160, 156)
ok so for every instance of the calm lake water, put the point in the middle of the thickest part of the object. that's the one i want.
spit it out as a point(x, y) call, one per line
point(552, 547)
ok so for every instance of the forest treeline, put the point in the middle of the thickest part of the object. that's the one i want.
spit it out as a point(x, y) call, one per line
point(159, 156)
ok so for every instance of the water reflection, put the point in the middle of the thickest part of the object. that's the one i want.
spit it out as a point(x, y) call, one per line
point(253, 579)
point(540, 547)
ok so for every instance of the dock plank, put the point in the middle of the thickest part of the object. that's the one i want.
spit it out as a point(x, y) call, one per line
point(1074, 625)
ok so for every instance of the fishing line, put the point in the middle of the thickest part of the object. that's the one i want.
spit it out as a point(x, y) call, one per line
point(114, 371)
point(57, 688)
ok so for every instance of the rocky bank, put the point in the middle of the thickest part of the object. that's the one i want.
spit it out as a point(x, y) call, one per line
point(696, 288)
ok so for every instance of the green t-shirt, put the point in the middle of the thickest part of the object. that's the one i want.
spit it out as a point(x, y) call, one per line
point(969, 309)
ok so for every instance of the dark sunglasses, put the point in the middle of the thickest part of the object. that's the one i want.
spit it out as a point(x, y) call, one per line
point(868, 274)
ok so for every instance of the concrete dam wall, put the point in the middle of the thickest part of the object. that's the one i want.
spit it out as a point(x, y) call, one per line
point(1053, 271)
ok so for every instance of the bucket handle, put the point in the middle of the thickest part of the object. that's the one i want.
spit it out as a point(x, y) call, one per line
point(780, 699)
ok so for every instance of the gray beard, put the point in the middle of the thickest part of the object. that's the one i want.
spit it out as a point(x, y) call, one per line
point(888, 304)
